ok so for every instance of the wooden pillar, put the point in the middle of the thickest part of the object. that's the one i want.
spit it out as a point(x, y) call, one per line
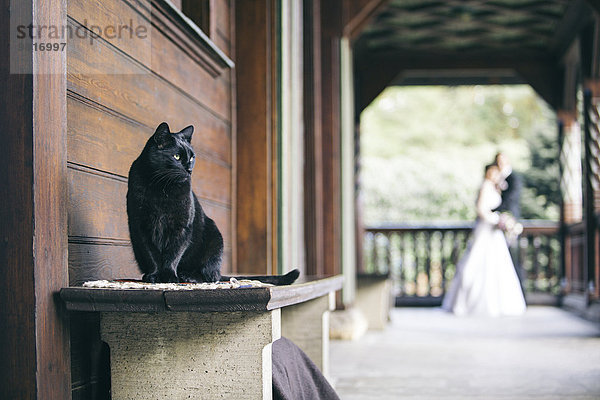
point(34, 356)
point(348, 173)
point(313, 167)
point(291, 144)
point(571, 179)
point(256, 136)
point(331, 30)
point(571, 184)
point(565, 254)
point(592, 186)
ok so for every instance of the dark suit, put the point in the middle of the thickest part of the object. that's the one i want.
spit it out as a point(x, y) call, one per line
point(511, 197)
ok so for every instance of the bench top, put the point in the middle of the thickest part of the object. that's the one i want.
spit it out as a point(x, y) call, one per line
point(202, 300)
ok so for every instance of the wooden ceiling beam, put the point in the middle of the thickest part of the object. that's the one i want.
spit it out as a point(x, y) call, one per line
point(376, 72)
point(402, 60)
point(546, 79)
point(371, 81)
point(577, 16)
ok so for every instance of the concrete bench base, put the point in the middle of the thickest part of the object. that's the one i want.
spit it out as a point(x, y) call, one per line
point(307, 325)
point(191, 355)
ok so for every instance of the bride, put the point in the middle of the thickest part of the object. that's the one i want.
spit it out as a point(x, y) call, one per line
point(485, 282)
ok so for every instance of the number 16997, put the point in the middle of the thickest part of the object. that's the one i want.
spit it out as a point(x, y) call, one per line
point(49, 46)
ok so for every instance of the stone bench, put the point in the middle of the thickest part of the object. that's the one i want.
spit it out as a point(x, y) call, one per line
point(206, 344)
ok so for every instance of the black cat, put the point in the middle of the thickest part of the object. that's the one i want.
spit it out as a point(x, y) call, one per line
point(172, 238)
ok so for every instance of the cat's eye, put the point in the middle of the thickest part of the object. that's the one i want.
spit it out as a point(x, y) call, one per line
point(191, 158)
point(177, 156)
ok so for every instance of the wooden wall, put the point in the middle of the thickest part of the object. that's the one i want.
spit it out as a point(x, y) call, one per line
point(118, 91)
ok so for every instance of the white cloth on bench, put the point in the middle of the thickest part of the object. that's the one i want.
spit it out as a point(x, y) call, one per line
point(233, 283)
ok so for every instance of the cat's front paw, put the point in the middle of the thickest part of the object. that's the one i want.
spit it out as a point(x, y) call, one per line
point(167, 277)
point(187, 278)
point(150, 278)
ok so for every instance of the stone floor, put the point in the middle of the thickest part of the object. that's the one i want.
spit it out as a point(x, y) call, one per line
point(428, 354)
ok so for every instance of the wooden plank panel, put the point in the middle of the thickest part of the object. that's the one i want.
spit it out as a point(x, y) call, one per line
point(92, 261)
point(139, 95)
point(178, 68)
point(212, 181)
point(89, 261)
point(222, 217)
point(101, 139)
point(159, 53)
point(97, 204)
point(111, 13)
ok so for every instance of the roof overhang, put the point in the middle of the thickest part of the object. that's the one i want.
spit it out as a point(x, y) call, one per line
point(466, 42)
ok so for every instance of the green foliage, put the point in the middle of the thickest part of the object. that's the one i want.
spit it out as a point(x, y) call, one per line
point(542, 187)
point(424, 150)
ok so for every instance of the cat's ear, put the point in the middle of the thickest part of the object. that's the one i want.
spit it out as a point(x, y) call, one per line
point(187, 133)
point(162, 134)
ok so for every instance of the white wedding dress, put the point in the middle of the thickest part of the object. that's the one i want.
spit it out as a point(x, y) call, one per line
point(485, 282)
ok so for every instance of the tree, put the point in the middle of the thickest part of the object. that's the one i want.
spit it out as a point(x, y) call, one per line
point(541, 195)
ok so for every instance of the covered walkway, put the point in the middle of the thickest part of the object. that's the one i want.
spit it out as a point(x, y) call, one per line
point(428, 354)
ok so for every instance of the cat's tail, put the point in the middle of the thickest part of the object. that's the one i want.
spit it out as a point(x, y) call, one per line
point(286, 279)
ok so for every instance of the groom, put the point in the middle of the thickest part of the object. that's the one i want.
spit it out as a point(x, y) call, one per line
point(511, 187)
point(511, 195)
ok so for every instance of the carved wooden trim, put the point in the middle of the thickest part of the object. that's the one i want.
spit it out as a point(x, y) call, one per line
point(186, 35)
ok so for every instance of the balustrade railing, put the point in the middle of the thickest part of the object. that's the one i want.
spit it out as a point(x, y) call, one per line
point(422, 259)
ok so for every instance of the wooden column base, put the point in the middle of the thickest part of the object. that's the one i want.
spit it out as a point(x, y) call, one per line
point(374, 299)
point(192, 355)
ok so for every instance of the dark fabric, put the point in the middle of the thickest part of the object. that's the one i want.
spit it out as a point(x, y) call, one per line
point(511, 196)
point(295, 376)
point(511, 202)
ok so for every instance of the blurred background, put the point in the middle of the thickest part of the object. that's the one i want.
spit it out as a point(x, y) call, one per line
point(424, 150)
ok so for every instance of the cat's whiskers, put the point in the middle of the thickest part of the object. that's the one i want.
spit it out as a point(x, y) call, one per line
point(164, 177)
